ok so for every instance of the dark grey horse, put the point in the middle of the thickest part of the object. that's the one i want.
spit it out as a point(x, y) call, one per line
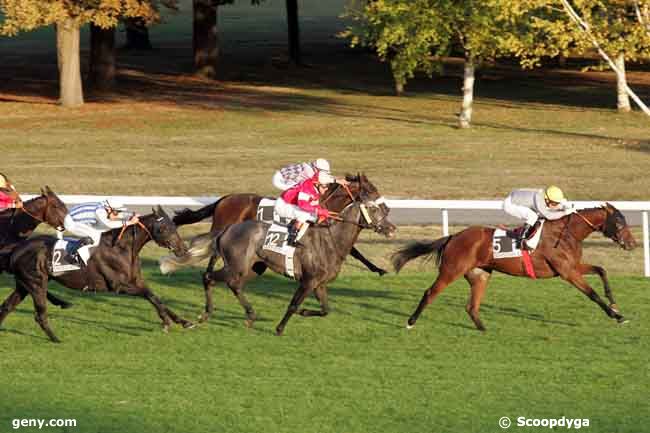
point(317, 262)
point(113, 267)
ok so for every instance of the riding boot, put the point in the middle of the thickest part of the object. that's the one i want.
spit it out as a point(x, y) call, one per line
point(292, 232)
point(80, 244)
point(523, 236)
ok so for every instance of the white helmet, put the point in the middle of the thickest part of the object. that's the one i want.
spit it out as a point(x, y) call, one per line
point(322, 164)
point(325, 178)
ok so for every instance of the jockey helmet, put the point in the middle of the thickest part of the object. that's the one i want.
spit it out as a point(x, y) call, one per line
point(322, 165)
point(3, 181)
point(554, 194)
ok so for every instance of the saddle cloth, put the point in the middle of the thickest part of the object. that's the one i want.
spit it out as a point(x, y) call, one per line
point(276, 241)
point(504, 243)
point(63, 258)
point(266, 212)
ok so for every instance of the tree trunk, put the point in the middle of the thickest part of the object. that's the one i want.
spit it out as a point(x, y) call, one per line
point(67, 47)
point(204, 39)
point(137, 35)
point(623, 104)
point(101, 72)
point(294, 31)
point(465, 117)
point(399, 88)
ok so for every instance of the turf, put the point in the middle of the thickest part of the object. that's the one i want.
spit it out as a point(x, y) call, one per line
point(548, 352)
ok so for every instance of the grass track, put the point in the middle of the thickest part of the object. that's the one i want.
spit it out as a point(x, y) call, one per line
point(548, 352)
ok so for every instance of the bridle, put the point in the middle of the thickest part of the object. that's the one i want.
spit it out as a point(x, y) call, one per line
point(605, 228)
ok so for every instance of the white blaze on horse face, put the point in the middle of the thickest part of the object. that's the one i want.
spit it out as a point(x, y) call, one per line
point(365, 213)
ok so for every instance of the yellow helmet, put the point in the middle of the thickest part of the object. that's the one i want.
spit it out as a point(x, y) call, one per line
point(3, 181)
point(555, 194)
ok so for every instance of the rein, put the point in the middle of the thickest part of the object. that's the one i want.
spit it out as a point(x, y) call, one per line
point(124, 226)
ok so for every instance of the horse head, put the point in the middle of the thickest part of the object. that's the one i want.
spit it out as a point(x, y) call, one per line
point(615, 228)
point(163, 232)
point(372, 205)
point(51, 210)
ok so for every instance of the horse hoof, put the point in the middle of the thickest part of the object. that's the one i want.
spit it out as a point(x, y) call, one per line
point(249, 323)
point(202, 318)
point(614, 308)
point(622, 320)
point(165, 329)
point(278, 332)
point(382, 272)
point(55, 340)
point(189, 325)
point(66, 306)
point(409, 326)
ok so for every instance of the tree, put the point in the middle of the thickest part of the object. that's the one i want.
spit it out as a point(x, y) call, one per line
point(413, 35)
point(612, 27)
point(69, 16)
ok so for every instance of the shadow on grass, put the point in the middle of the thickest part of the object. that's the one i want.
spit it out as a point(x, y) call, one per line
point(161, 77)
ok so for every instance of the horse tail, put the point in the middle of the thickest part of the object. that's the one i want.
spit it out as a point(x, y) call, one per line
point(201, 247)
point(417, 249)
point(189, 216)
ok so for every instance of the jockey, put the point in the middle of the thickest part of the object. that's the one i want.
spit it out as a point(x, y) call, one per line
point(9, 197)
point(301, 205)
point(90, 220)
point(531, 204)
point(292, 175)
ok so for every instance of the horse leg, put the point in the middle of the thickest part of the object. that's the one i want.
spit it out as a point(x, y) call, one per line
point(368, 264)
point(209, 278)
point(58, 301)
point(237, 288)
point(478, 280)
point(39, 295)
point(602, 273)
point(298, 298)
point(321, 294)
point(155, 301)
point(445, 277)
point(579, 282)
point(12, 301)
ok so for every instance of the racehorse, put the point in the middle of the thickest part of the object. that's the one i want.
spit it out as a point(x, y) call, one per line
point(469, 253)
point(113, 267)
point(317, 262)
point(235, 208)
point(17, 224)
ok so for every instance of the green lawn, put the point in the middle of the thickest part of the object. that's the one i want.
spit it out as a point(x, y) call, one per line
point(548, 352)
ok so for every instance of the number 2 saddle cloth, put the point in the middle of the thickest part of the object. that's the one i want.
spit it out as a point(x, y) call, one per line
point(276, 234)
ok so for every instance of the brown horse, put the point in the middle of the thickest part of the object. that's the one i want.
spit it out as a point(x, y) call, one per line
point(469, 253)
point(235, 208)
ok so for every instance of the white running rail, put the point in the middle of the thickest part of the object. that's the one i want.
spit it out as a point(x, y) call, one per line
point(442, 205)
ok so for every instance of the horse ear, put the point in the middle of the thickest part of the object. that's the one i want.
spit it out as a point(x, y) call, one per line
point(161, 212)
point(154, 210)
point(608, 207)
point(43, 191)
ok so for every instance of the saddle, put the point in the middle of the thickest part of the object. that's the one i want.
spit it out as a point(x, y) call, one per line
point(65, 256)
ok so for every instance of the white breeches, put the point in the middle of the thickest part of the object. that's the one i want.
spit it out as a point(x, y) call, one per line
point(280, 183)
point(82, 230)
point(286, 210)
point(521, 212)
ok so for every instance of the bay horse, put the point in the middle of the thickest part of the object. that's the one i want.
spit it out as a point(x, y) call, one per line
point(113, 267)
point(17, 224)
point(235, 208)
point(317, 262)
point(559, 253)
